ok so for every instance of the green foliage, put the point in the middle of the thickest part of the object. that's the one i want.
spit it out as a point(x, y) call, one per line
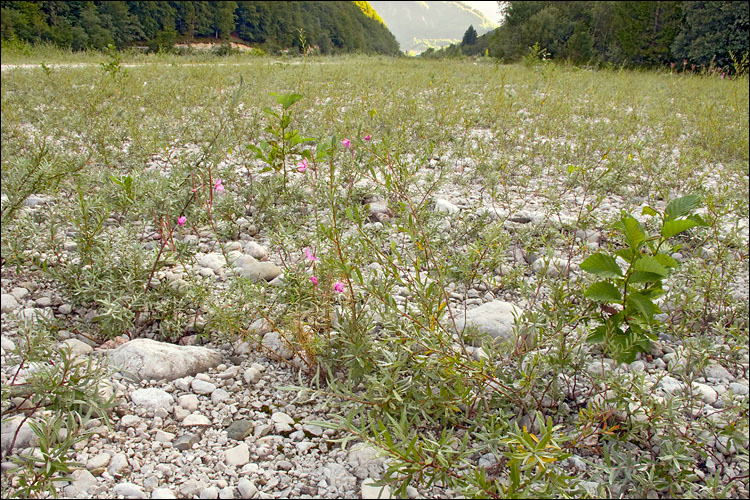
point(284, 142)
point(332, 26)
point(470, 36)
point(627, 329)
point(712, 31)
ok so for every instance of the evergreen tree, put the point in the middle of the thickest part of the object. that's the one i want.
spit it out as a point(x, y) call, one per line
point(470, 36)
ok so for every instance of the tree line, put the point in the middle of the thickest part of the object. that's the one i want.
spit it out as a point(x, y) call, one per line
point(646, 33)
point(332, 27)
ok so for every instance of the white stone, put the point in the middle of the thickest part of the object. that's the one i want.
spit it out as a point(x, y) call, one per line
point(25, 438)
point(147, 359)
point(446, 206)
point(209, 493)
point(189, 402)
point(19, 292)
point(219, 395)
point(78, 347)
point(670, 385)
point(706, 393)
point(237, 456)
point(213, 261)
point(129, 490)
point(252, 375)
point(118, 464)
point(738, 388)
point(255, 250)
point(247, 488)
point(8, 303)
point(83, 479)
point(370, 491)
point(717, 372)
point(163, 493)
point(274, 342)
point(152, 398)
point(202, 387)
point(130, 421)
point(164, 437)
point(196, 419)
point(495, 319)
point(282, 422)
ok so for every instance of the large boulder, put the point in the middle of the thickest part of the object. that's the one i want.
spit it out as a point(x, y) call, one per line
point(495, 319)
point(147, 359)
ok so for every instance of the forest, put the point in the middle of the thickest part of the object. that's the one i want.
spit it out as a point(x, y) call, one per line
point(633, 34)
point(332, 27)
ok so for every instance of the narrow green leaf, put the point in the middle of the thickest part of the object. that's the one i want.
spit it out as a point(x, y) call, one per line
point(674, 227)
point(602, 291)
point(601, 265)
point(681, 206)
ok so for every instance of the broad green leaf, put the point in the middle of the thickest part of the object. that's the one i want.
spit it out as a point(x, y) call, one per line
point(597, 335)
point(681, 206)
point(602, 291)
point(648, 211)
point(699, 220)
point(626, 254)
point(643, 277)
point(642, 304)
point(651, 265)
point(286, 100)
point(572, 168)
point(666, 260)
point(674, 227)
point(601, 265)
point(632, 230)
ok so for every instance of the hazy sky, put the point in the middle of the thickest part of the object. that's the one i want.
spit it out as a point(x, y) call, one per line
point(489, 9)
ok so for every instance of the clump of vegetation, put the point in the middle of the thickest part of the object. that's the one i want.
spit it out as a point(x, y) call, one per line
point(392, 208)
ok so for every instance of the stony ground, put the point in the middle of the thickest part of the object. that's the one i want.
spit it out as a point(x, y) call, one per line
point(213, 421)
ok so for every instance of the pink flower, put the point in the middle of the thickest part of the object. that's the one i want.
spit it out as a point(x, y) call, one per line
point(181, 220)
point(338, 287)
point(218, 186)
point(314, 280)
point(302, 166)
point(368, 137)
point(346, 143)
point(309, 255)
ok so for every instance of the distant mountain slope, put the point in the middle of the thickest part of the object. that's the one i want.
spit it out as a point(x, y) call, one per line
point(419, 25)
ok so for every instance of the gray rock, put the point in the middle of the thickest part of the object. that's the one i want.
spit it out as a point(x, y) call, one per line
point(191, 487)
point(202, 387)
point(706, 393)
point(237, 456)
point(8, 303)
point(282, 422)
point(19, 292)
point(313, 429)
point(78, 347)
point(255, 250)
point(189, 402)
point(130, 421)
point(258, 271)
point(495, 319)
point(163, 436)
point(83, 480)
point(98, 461)
point(445, 206)
point(219, 395)
point(147, 359)
point(152, 398)
point(670, 385)
point(196, 419)
point(209, 493)
point(247, 488)
point(118, 465)
point(25, 438)
point(366, 461)
point(186, 442)
point(240, 429)
point(274, 342)
point(163, 493)
point(226, 493)
point(129, 490)
point(554, 267)
point(338, 476)
point(213, 261)
point(739, 388)
point(252, 375)
point(371, 491)
point(717, 372)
